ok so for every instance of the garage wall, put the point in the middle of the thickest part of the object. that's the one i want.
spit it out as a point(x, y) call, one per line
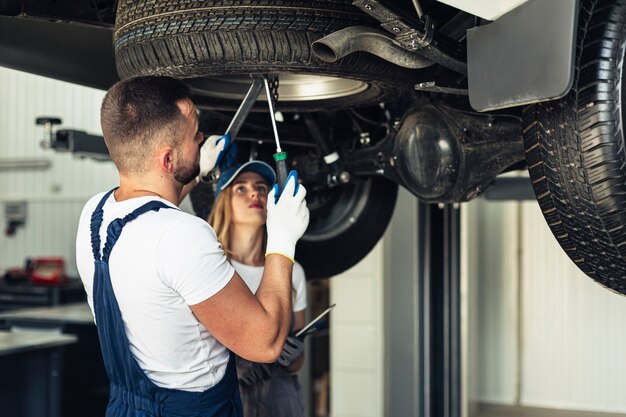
point(574, 329)
point(545, 334)
point(402, 309)
point(373, 368)
point(356, 342)
point(56, 195)
point(491, 236)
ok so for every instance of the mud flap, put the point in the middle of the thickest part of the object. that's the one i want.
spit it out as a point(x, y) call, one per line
point(524, 57)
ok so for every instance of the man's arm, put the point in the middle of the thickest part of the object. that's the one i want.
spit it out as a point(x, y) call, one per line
point(253, 327)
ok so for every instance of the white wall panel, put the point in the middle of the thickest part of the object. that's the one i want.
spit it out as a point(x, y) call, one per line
point(574, 329)
point(492, 241)
point(356, 342)
point(55, 196)
point(402, 309)
point(566, 348)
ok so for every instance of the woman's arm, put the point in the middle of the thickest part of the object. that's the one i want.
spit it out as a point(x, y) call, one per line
point(299, 323)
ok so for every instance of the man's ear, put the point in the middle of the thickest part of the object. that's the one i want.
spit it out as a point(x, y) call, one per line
point(166, 159)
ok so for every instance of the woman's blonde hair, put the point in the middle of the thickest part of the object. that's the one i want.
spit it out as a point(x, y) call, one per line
point(220, 218)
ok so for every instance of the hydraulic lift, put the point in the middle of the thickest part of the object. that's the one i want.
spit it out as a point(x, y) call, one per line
point(425, 310)
point(439, 285)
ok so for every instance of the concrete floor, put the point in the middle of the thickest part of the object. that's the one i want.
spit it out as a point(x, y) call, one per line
point(486, 410)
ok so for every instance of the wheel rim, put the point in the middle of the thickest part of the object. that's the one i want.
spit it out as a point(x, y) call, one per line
point(291, 87)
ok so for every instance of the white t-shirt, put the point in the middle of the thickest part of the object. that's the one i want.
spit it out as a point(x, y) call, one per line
point(163, 262)
point(252, 275)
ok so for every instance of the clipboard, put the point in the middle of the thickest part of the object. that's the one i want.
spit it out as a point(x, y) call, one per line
point(308, 328)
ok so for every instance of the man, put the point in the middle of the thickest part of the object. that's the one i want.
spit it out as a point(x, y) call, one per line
point(168, 305)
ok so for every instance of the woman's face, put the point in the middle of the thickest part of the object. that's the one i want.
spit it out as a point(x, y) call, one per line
point(249, 199)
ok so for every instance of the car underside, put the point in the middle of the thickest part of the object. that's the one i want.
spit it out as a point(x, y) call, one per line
point(376, 94)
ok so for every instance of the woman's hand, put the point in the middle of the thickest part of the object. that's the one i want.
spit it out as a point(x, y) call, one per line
point(294, 346)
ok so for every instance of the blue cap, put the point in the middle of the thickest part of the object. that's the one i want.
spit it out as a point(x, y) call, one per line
point(227, 176)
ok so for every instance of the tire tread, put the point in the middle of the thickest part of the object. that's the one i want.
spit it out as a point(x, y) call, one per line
point(189, 39)
point(575, 151)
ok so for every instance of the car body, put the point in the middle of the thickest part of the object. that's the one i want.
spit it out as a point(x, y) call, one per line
point(439, 97)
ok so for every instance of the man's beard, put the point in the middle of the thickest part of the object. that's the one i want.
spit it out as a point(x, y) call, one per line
point(187, 171)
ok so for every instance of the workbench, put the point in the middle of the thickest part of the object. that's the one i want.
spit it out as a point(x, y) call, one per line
point(84, 383)
point(15, 295)
point(67, 314)
point(32, 372)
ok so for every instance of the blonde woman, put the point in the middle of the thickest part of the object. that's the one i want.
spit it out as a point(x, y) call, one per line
point(238, 217)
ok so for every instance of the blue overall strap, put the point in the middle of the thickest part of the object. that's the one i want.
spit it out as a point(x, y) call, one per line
point(132, 393)
point(96, 222)
point(111, 332)
point(115, 227)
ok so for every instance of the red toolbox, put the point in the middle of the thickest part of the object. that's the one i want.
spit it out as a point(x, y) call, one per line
point(47, 270)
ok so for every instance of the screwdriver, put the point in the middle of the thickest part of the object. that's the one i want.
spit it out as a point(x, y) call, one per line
point(280, 157)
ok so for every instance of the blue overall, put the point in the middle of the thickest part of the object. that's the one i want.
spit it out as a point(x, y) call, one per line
point(132, 394)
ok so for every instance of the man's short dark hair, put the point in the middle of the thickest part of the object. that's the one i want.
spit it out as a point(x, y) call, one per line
point(139, 113)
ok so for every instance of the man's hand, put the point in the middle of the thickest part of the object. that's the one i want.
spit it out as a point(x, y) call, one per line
point(212, 152)
point(291, 351)
point(287, 218)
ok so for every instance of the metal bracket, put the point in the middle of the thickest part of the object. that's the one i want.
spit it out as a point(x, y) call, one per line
point(410, 37)
point(414, 40)
point(79, 143)
point(48, 124)
point(432, 87)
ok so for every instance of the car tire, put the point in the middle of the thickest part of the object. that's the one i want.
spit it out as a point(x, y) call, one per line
point(217, 44)
point(576, 153)
point(345, 226)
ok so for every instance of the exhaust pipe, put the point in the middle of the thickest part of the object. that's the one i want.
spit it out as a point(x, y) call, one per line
point(338, 44)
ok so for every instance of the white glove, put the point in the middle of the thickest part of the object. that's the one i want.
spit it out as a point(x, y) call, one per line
point(287, 218)
point(211, 152)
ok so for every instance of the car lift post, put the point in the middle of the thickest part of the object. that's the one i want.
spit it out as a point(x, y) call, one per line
point(439, 355)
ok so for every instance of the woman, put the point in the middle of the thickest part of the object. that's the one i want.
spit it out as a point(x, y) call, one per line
point(238, 218)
